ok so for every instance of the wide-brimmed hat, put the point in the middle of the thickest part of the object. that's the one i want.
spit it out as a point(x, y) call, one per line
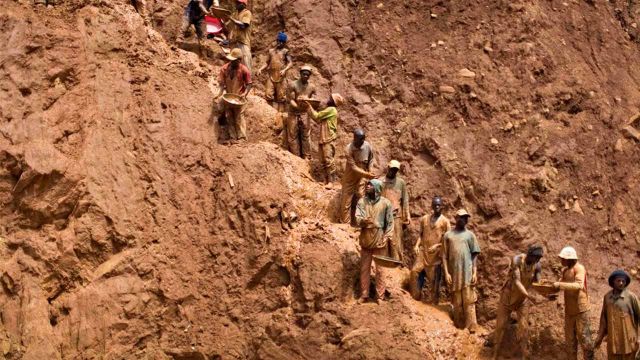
point(306, 68)
point(337, 99)
point(235, 54)
point(619, 273)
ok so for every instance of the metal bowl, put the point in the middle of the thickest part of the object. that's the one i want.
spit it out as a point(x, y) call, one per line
point(220, 13)
point(234, 100)
point(386, 261)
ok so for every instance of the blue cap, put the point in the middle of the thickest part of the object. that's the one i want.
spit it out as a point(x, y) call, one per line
point(282, 37)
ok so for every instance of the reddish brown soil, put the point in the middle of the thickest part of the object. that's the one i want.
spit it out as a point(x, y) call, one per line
point(122, 236)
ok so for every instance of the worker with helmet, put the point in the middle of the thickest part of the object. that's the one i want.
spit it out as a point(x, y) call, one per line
point(297, 127)
point(577, 327)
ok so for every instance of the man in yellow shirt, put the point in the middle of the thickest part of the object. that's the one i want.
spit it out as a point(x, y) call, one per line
point(241, 31)
point(577, 327)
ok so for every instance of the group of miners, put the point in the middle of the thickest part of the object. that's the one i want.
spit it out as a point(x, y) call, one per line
point(443, 253)
point(294, 100)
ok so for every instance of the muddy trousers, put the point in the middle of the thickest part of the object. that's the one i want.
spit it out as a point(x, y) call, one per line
point(522, 328)
point(298, 135)
point(464, 308)
point(351, 192)
point(577, 330)
point(434, 276)
point(366, 260)
point(246, 54)
point(236, 125)
point(187, 21)
point(275, 93)
point(396, 248)
point(327, 158)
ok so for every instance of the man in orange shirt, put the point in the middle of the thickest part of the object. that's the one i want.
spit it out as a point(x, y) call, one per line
point(234, 78)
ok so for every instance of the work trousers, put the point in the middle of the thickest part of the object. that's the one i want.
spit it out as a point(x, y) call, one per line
point(522, 328)
point(366, 260)
point(327, 158)
point(275, 91)
point(352, 190)
point(236, 124)
point(198, 23)
point(433, 274)
point(396, 248)
point(464, 308)
point(298, 133)
point(246, 55)
point(577, 330)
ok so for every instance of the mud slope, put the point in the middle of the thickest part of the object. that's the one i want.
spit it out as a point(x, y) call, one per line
point(128, 232)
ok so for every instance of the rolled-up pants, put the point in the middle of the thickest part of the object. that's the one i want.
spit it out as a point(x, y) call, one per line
point(464, 307)
point(522, 330)
point(577, 330)
point(236, 125)
point(396, 248)
point(366, 260)
point(298, 133)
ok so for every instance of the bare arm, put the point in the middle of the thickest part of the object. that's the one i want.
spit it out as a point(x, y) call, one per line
point(445, 256)
point(246, 92)
point(602, 332)
point(406, 214)
point(202, 7)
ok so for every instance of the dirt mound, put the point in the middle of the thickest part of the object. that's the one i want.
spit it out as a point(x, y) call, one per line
point(129, 232)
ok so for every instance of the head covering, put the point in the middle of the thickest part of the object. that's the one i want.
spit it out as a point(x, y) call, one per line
point(535, 250)
point(337, 99)
point(282, 37)
point(394, 164)
point(462, 212)
point(377, 187)
point(242, 1)
point(358, 132)
point(568, 253)
point(235, 54)
point(619, 273)
point(306, 68)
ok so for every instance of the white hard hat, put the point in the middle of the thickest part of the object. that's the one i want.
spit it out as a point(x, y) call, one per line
point(568, 253)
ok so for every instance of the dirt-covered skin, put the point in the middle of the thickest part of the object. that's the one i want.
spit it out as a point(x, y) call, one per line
point(127, 231)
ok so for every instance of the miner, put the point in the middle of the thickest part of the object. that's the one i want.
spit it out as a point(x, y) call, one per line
point(359, 155)
point(327, 118)
point(277, 65)
point(234, 78)
point(524, 270)
point(577, 328)
point(619, 319)
point(194, 14)
point(297, 127)
point(394, 188)
point(428, 251)
point(374, 217)
point(240, 36)
point(459, 259)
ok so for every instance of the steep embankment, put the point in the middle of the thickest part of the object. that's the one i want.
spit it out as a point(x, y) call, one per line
point(513, 110)
point(128, 232)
